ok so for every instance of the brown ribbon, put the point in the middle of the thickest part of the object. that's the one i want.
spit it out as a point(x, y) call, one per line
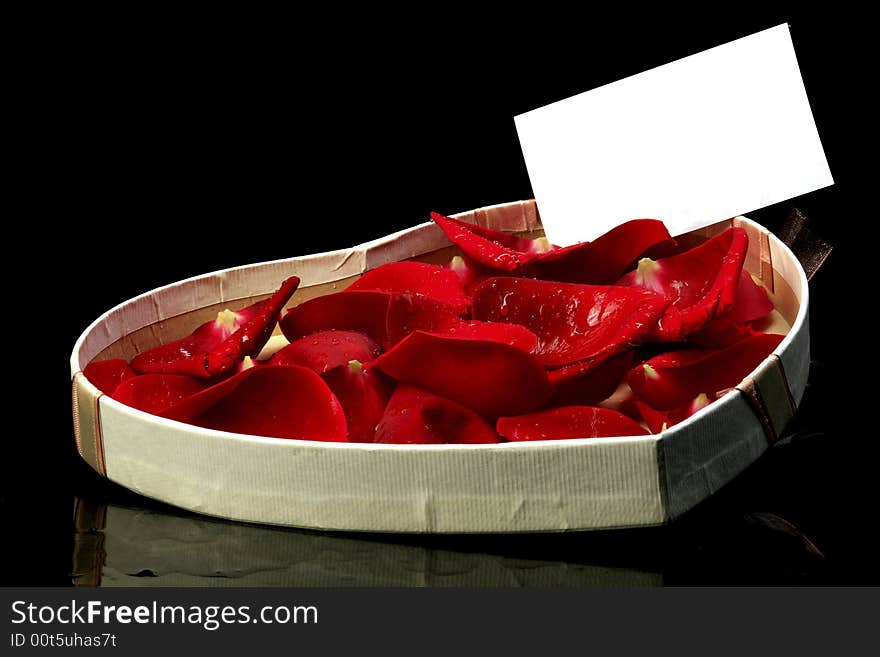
point(769, 396)
point(809, 249)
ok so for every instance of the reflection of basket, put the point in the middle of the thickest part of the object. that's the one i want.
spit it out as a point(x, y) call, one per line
point(140, 547)
point(549, 486)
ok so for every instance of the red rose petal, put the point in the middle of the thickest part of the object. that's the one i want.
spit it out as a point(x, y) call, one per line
point(573, 322)
point(492, 248)
point(491, 378)
point(700, 283)
point(586, 383)
point(284, 401)
point(657, 421)
point(364, 394)
point(106, 375)
point(514, 335)
point(570, 264)
point(470, 273)
point(345, 311)
point(752, 302)
point(216, 347)
point(431, 281)
point(672, 379)
point(721, 332)
point(416, 416)
point(411, 312)
point(155, 393)
point(324, 350)
point(568, 422)
point(621, 246)
point(414, 312)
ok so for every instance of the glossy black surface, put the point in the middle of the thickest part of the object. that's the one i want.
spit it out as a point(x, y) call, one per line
point(161, 161)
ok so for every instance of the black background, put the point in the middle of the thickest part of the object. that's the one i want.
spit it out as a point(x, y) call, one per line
point(161, 149)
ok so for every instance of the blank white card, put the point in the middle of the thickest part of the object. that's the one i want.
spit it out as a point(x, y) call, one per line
point(692, 142)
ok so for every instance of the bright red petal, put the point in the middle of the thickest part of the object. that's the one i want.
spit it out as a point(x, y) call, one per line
point(492, 248)
point(573, 322)
point(491, 378)
point(364, 394)
point(416, 416)
point(432, 281)
point(343, 311)
point(700, 284)
point(568, 422)
point(325, 350)
point(752, 302)
point(216, 347)
point(674, 378)
point(586, 383)
point(286, 401)
point(106, 375)
point(155, 393)
point(621, 246)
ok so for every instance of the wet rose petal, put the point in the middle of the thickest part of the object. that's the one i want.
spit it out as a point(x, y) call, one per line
point(573, 322)
point(155, 393)
point(324, 350)
point(216, 347)
point(752, 302)
point(673, 378)
point(586, 383)
point(106, 375)
point(364, 312)
point(284, 401)
point(414, 312)
point(620, 247)
point(491, 378)
point(700, 284)
point(721, 332)
point(568, 422)
point(432, 281)
point(416, 416)
point(492, 248)
point(364, 394)
point(411, 312)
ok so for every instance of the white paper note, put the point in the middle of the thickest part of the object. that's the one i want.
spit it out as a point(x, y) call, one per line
point(692, 142)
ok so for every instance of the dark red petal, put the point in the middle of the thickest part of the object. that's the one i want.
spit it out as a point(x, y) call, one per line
point(573, 322)
point(674, 378)
point(285, 401)
point(752, 302)
point(491, 378)
point(721, 332)
point(216, 347)
point(154, 393)
point(345, 311)
point(414, 312)
point(324, 350)
point(568, 422)
point(657, 421)
point(586, 384)
point(488, 247)
point(700, 283)
point(106, 375)
point(416, 416)
point(432, 281)
point(621, 246)
point(571, 264)
point(364, 394)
